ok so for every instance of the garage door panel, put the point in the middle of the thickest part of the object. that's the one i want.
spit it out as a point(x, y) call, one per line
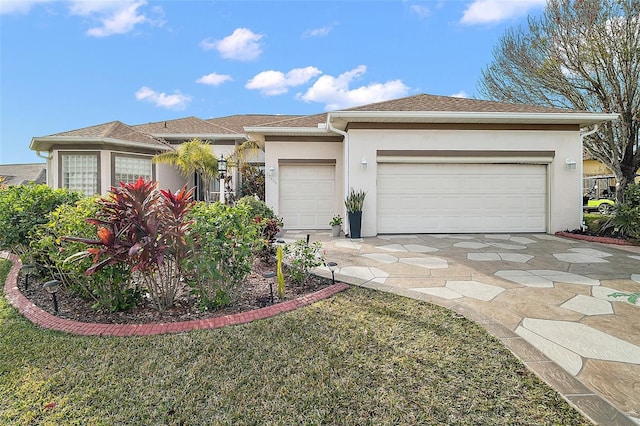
point(461, 198)
point(306, 195)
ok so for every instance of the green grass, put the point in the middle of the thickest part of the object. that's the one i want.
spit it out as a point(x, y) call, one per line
point(361, 357)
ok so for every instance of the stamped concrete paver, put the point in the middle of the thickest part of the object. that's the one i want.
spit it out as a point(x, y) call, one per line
point(550, 295)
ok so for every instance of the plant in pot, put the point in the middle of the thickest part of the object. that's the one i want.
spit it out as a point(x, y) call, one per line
point(354, 203)
point(336, 224)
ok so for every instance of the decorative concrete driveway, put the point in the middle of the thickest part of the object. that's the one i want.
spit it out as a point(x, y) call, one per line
point(547, 298)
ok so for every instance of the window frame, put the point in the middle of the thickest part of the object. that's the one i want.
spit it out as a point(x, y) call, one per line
point(114, 155)
point(61, 174)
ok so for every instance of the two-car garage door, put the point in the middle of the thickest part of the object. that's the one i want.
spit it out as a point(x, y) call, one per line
point(453, 198)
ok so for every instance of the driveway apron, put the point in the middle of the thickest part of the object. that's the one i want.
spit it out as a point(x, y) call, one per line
point(548, 299)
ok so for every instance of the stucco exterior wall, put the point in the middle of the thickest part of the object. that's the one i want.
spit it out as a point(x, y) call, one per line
point(301, 151)
point(564, 185)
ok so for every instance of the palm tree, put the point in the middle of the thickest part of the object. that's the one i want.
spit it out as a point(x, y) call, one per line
point(192, 157)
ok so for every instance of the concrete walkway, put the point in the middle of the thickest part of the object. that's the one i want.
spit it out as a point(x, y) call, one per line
point(547, 298)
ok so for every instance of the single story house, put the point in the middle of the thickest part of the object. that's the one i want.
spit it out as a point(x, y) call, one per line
point(429, 164)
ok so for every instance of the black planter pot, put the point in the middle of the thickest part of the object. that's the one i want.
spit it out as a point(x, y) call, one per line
point(355, 224)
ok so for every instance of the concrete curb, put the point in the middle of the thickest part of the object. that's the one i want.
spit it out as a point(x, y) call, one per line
point(52, 322)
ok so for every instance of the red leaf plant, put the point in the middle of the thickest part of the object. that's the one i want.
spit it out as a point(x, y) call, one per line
point(145, 229)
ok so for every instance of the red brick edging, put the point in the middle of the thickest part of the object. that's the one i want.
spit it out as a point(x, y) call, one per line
point(52, 322)
point(595, 239)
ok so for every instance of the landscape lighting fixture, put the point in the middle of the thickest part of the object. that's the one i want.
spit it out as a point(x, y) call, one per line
point(270, 275)
point(27, 269)
point(52, 287)
point(332, 267)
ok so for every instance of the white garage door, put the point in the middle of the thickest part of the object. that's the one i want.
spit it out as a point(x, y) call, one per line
point(307, 195)
point(437, 198)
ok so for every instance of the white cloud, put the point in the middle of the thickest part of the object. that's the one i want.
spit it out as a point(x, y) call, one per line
point(214, 79)
point(272, 83)
point(18, 6)
point(177, 101)
point(421, 11)
point(460, 94)
point(318, 32)
point(334, 92)
point(493, 11)
point(242, 45)
point(115, 16)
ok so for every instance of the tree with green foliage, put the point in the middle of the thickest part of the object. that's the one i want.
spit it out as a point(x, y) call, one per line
point(584, 55)
point(192, 157)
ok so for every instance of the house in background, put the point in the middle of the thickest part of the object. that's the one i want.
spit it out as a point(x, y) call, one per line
point(20, 174)
point(429, 164)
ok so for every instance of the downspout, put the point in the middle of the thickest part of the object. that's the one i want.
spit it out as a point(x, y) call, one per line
point(345, 156)
point(48, 158)
point(582, 136)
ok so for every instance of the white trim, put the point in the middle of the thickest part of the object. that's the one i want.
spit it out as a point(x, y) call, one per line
point(465, 160)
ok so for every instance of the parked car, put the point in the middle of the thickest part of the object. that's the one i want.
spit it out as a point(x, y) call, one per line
point(600, 194)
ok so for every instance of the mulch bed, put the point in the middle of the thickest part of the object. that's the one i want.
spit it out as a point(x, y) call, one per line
point(595, 238)
point(254, 294)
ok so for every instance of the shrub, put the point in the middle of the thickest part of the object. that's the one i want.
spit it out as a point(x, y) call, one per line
point(252, 181)
point(268, 224)
point(108, 287)
point(301, 258)
point(144, 229)
point(23, 208)
point(223, 239)
point(625, 221)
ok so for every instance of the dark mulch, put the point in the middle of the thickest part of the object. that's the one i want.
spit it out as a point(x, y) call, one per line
point(254, 294)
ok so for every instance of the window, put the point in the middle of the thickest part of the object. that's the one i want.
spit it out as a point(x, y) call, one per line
point(128, 168)
point(80, 172)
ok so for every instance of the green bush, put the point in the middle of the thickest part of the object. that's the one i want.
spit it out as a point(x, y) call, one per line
point(256, 207)
point(301, 258)
point(223, 239)
point(625, 221)
point(109, 287)
point(23, 208)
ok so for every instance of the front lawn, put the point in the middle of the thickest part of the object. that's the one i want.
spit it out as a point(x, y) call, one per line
point(361, 357)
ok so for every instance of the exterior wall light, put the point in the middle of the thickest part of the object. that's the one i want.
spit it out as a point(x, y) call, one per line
point(272, 171)
point(570, 164)
point(52, 288)
point(364, 163)
point(222, 170)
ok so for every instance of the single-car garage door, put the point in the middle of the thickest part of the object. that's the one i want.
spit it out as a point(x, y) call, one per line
point(306, 195)
point(454, 198)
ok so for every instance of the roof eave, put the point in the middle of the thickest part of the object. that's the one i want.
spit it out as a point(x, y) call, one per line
point(292, 131)
point(340, 119)
point(204, 136)
point(45, 143)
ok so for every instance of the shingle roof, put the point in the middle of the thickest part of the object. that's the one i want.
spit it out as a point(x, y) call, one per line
point(423, 102)
point(19, 174)
point(238, 122)
point(184, 126)
point(297, 121)
point(110, 130)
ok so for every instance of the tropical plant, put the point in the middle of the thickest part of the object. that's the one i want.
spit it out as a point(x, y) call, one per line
point(109, 287)
point(583, 55)
point(252, 181)
point(301, 258)
point(23, 208)
point(144, 229)
point(625, 221)
point(336, 220)
point(355, 201)
point(222, 238)
point(190, 157)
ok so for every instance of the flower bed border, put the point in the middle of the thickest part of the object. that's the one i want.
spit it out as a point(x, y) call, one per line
point(46, 320)
point(595, 239)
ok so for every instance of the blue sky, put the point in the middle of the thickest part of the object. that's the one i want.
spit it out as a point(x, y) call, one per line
point(65, 65)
